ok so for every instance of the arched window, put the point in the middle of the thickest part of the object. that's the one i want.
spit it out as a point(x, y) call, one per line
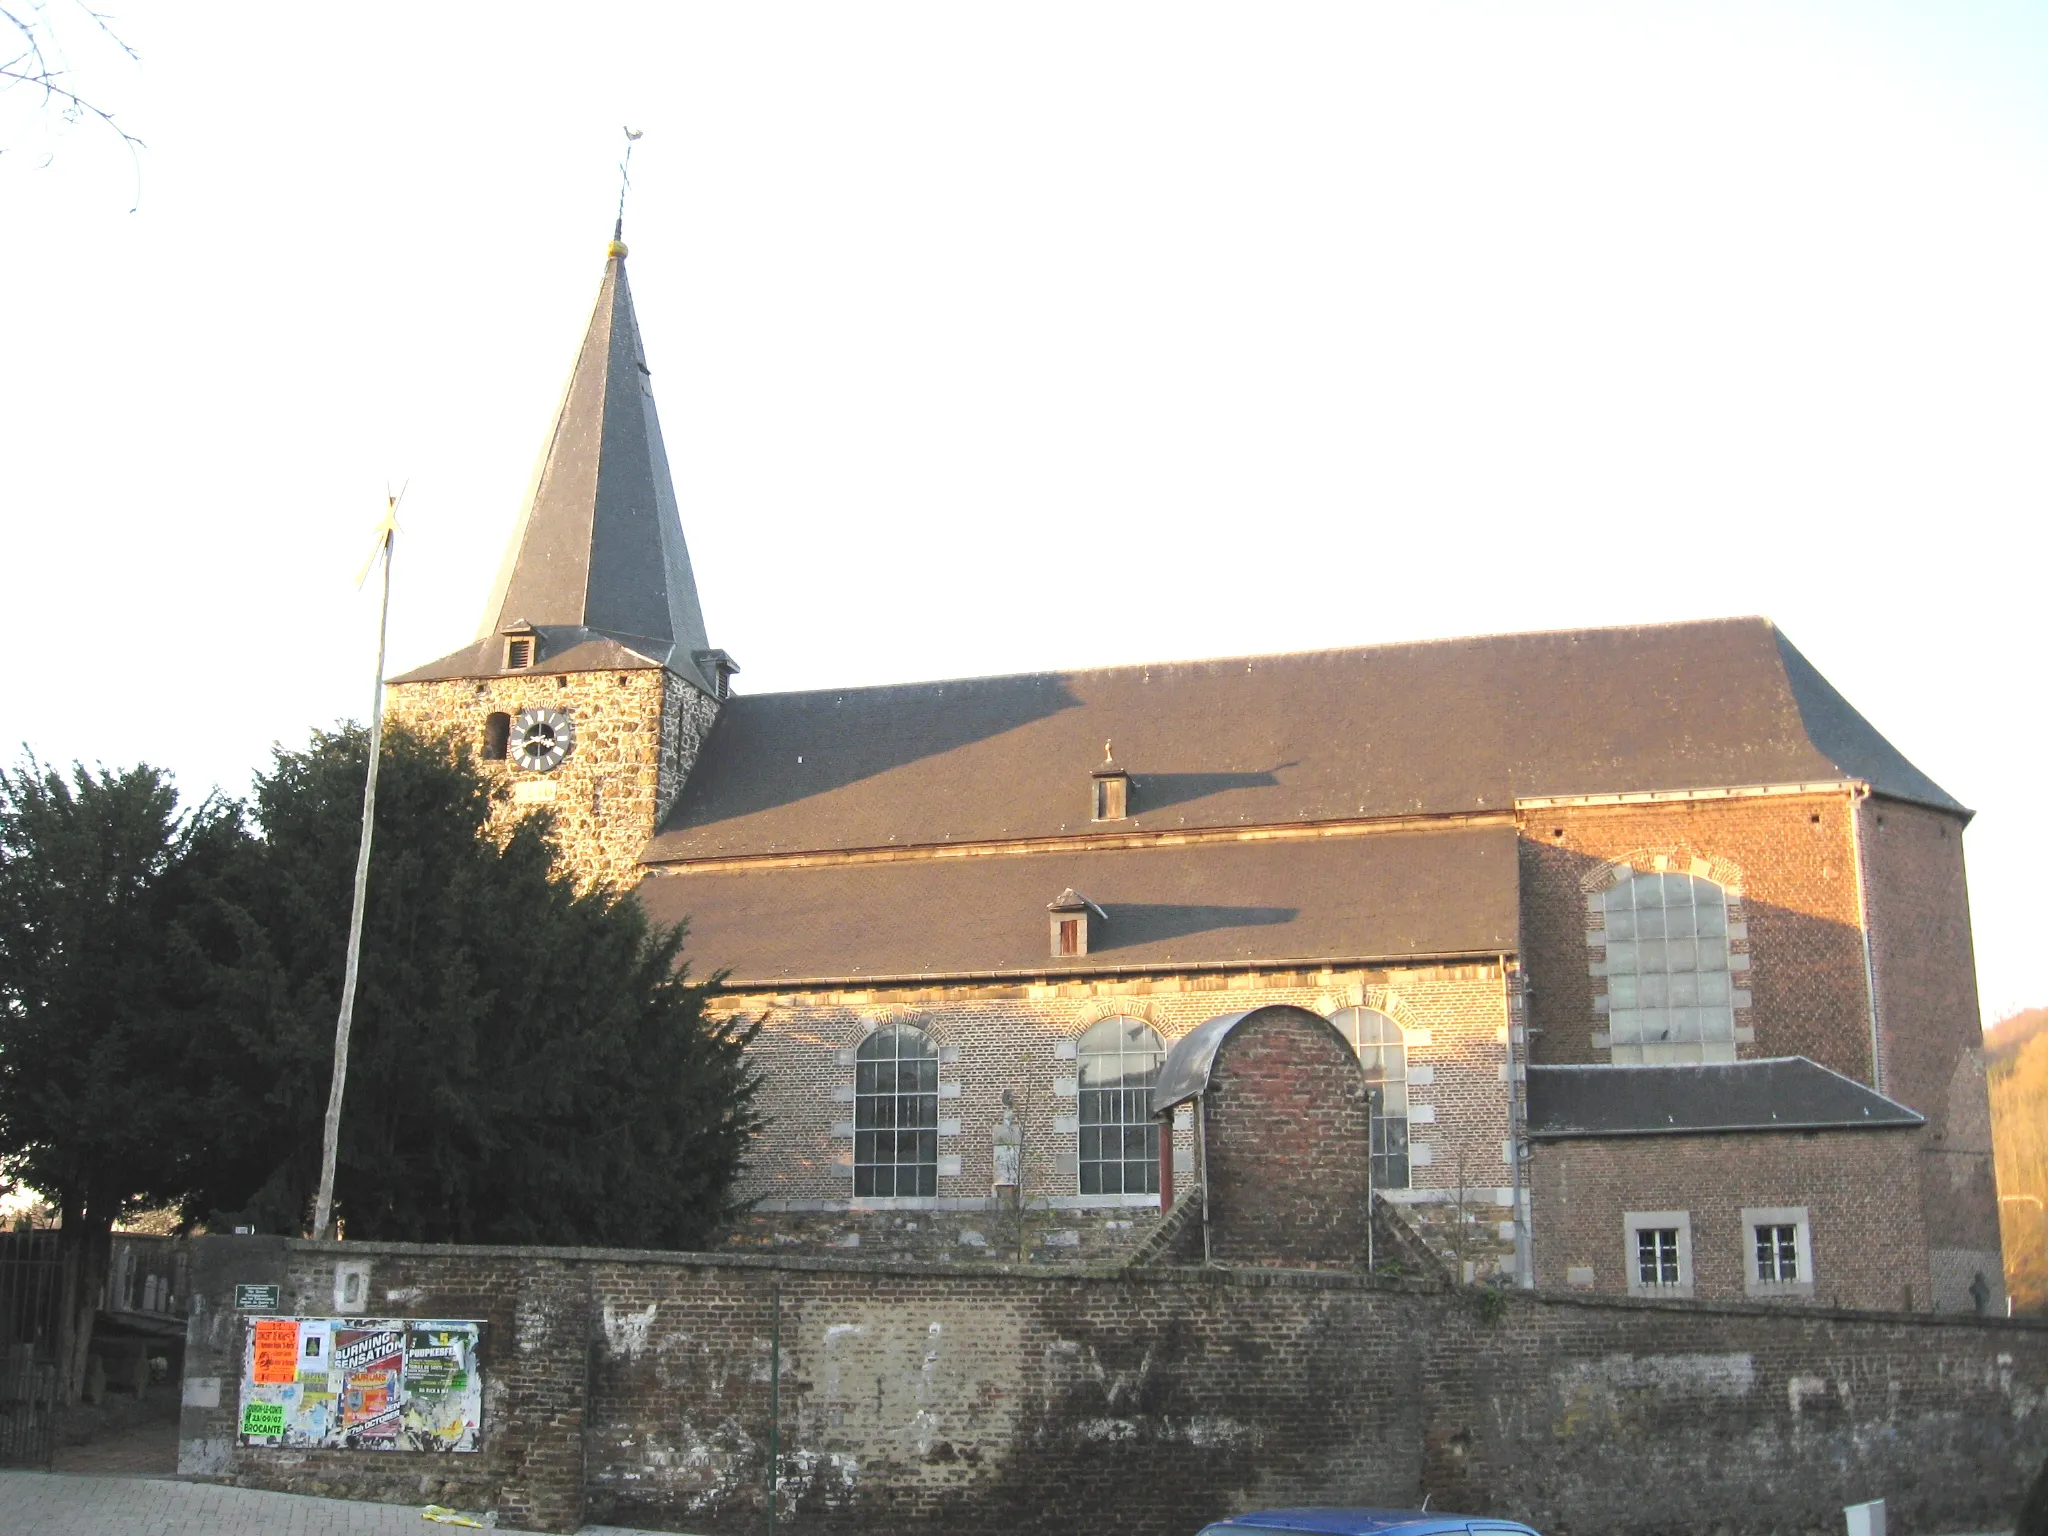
point(1383, 1053)
point(1668, 995)
point(896, 1114)
point(497, 736)
point(1119, 1061)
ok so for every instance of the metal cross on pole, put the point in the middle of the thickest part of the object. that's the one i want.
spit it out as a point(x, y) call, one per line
point(625, 181)
point(330, 1139)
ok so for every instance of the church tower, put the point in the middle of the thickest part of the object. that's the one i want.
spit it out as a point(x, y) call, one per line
point(590, 684)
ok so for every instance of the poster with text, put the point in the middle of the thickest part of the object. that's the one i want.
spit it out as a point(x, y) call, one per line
point(364, 1384)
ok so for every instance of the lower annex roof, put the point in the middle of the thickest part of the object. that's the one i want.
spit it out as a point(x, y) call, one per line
point(1389, 896)
point(1779, 1093)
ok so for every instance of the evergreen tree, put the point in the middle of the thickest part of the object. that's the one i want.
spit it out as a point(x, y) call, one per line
point(527, 1064)
point(109, 930)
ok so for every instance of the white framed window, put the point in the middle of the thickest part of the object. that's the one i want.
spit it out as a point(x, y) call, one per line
point(1119, 1062)
point(1777, 1251)
point(1669, 997)
point(896, 1114)
point(1657, 1253)
point(1383, 1053)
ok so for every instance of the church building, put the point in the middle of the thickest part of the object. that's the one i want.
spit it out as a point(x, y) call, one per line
point(1653, 954)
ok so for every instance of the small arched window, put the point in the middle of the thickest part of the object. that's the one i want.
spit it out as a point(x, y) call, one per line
point(896, 1114)
point(1668, 995)
point(1383, 1053)
point(1119, 1061)
point(497, 736)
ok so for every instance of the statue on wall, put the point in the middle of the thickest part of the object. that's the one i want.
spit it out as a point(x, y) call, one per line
point(1006, 1148)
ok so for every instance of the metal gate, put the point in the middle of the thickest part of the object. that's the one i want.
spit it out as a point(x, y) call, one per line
point(31, 1298)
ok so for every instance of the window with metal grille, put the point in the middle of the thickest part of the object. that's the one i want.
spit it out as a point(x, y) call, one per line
point(1668, 992)
point(1657, 1256)
point(1777, 1254)
point(896, 1114)
point(1119, 1062)
point(1383, 1053)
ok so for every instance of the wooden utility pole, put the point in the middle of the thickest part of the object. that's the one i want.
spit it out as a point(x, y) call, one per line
point(330, 1139)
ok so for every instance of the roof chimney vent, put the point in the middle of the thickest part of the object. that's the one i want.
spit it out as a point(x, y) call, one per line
point(1109, 790)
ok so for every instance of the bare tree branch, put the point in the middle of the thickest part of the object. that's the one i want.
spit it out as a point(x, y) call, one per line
point(38, 65)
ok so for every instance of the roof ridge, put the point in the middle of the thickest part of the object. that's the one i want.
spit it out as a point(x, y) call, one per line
point(1111, 669)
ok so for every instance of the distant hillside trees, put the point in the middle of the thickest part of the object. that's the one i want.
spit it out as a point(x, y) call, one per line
point(528, 1064)
point(2018, 1062)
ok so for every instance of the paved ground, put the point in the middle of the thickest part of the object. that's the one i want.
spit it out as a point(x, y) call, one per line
point(148, 1449)
point(58, 1504)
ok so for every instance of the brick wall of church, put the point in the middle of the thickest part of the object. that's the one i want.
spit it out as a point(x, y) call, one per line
point(1022, 1037)
point(1793, 858)
point(1931, 1032)
point(1861, 1191)
point(637, 733)
point(1289, 1135)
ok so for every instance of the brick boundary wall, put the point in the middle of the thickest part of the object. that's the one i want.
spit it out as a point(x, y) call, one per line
point(635, 1388)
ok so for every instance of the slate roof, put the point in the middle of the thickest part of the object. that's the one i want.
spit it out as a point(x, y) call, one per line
point(1392, 896)
point(1785, 1093)
point(598, 551)
point(1440, 727)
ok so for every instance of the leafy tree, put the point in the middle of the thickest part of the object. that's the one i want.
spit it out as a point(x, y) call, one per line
point(109, 929)
point(528, 1064)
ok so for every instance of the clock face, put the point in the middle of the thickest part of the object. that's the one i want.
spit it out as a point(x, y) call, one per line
point(541, 738)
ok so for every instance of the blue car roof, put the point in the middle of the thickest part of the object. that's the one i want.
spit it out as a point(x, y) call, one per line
point(1358, 1522)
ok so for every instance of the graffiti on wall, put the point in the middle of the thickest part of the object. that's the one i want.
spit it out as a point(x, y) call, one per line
point(362, 1384)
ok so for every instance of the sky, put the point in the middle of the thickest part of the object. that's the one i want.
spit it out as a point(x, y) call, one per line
point(1007, 338)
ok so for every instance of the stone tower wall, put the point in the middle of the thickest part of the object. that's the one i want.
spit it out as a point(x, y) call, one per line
point(638, 734)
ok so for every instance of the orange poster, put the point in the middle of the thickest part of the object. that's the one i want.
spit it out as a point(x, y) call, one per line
point(277, 1353)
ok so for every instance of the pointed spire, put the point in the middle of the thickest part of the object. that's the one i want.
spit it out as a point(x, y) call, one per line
point(599, 546)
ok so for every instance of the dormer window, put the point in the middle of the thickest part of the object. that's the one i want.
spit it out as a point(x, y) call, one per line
point(718, 669)
point(1110, 790)
point(522, 645)
point(1070, 924)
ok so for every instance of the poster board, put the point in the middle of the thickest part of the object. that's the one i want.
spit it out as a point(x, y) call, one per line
point(362, 1383)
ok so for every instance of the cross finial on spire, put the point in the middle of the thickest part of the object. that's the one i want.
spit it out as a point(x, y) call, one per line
point(618, 247)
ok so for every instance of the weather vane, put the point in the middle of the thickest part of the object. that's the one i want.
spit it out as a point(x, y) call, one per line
point(625, 181)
